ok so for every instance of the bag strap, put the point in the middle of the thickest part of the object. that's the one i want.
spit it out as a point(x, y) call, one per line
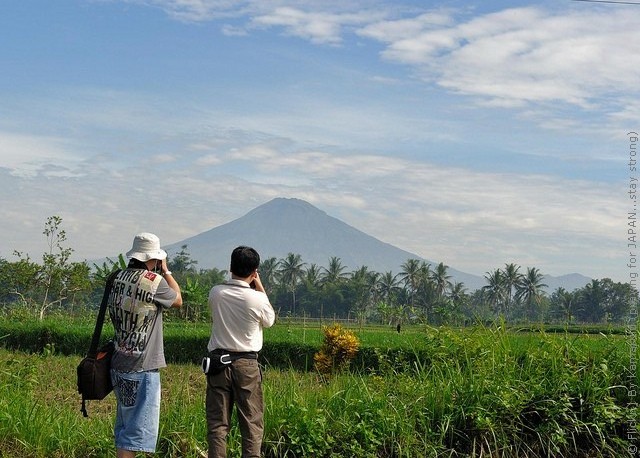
point(95, 340)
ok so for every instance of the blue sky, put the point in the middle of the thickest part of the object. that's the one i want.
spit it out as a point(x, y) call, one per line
point(472, 133)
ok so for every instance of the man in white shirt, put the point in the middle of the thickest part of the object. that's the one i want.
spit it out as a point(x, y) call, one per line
point(240, 309)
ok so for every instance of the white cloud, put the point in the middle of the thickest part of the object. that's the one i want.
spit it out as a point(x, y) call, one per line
point(515, 58)
point(317, 27)
point(469, 220)
point(196, 10)
point(517, 55)
point(26, 155)
point(523, 54)
point(391, 31)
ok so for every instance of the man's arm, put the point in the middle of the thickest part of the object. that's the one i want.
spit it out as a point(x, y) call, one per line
point(270, 315)
point(173, 284)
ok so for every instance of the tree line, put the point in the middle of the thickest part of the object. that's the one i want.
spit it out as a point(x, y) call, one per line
point(418, 293)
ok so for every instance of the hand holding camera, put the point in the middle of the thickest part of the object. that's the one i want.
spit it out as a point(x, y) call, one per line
point(256, 283)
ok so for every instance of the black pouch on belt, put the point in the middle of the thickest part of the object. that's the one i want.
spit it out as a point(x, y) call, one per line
point(219, 359)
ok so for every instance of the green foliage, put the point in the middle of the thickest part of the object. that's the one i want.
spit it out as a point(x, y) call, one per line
point(56, 283)
point(16, 279)
point(419, 293)
point(102, 272)
point(429, 392)
point(194, 296)
point(182, 262)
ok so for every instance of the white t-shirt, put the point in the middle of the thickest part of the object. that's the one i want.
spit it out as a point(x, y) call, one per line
point(238, 315)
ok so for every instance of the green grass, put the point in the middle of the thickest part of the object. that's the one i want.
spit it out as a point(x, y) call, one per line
point(474, 392)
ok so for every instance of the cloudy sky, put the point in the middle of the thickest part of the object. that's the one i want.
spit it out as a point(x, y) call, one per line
point(472, 133)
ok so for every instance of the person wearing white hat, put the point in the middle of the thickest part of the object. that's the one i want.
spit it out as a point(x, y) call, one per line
point(139, 295)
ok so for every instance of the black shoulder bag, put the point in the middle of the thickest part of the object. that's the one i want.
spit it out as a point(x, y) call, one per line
point(94, 371)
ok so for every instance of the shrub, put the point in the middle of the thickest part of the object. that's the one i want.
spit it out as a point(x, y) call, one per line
point(338, 349)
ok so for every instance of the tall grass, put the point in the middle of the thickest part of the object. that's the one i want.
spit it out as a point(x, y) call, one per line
point(480, 393)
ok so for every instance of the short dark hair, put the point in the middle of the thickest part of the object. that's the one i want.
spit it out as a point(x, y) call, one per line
point(244, 260)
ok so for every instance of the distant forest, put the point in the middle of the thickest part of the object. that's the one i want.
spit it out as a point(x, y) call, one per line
point(419, 293)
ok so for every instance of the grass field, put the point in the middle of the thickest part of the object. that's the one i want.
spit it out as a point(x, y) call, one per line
point(481, 392)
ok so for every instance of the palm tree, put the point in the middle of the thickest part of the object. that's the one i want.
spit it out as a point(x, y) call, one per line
point(410, 275)
point(335, 273)
point(388, 286)
point(291, 271)
point(268, 273)
point(372, 284)
point(311, 297)
point(362, 284)
point(361, 273)
point(313, 275)
point(565, 303)
point(458, 291)
point(529, 289)
point(387, 289)
point(458, 296)
point(441, 279)
point(425, 296)
point(495, 290)
point(510, 277)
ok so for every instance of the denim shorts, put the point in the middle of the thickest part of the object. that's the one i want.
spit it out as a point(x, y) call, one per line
point(138, 411)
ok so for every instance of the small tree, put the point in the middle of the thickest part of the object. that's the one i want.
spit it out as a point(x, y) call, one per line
point(17, 280)
point(56, 280)
point(182, 262)
point(60, 279)
point(102, 272)
point(195, 299)
point(53, 263)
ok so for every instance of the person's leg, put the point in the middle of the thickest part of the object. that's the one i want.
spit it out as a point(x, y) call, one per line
point(247, 390)
point(219, 405)
point(138, 412)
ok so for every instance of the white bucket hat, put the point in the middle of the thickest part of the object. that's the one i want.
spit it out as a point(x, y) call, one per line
point(146, 246)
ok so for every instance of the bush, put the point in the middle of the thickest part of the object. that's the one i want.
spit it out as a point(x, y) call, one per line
point(338, 349)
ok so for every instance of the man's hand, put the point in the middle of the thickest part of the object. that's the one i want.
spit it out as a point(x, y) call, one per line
point(256, 283)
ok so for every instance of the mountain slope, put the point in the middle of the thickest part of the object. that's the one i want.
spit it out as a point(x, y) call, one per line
point(569, 282)
point(282, 226)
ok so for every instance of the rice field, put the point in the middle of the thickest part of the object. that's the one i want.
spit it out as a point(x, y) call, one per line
point(483, 392)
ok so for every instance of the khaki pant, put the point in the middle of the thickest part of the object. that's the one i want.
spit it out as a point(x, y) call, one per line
point(239, 384)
